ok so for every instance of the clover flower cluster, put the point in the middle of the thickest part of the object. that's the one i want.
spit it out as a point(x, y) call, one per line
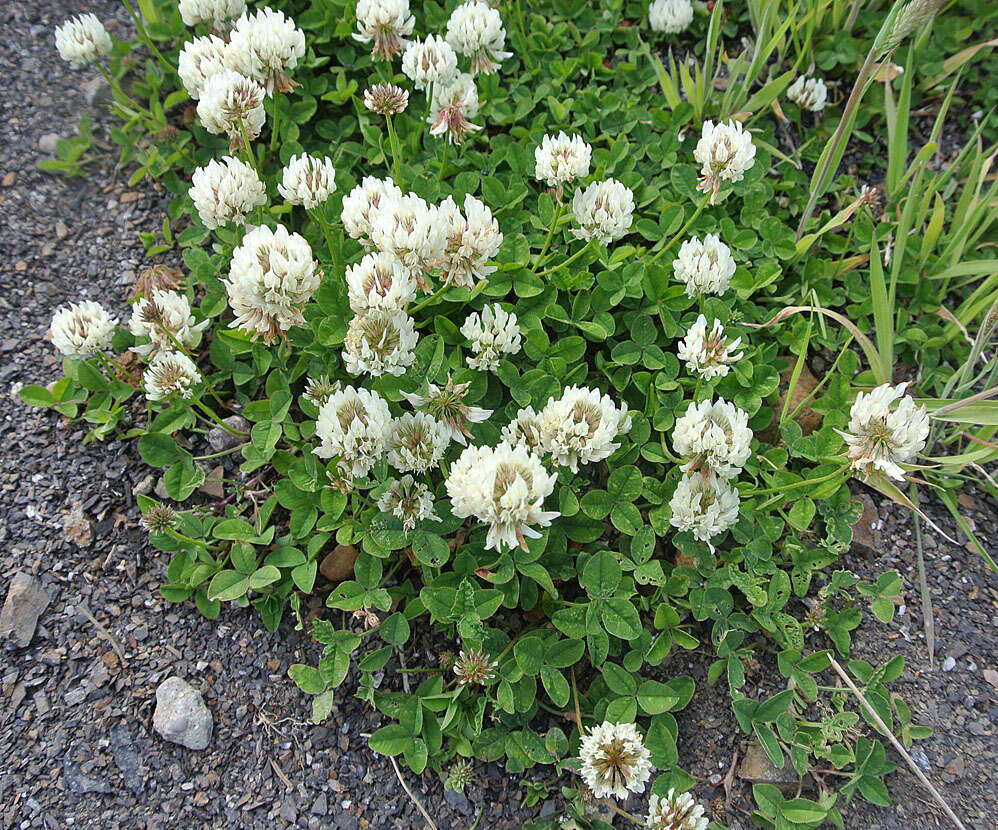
point(675, 811)
point(493, 333)
point(165, 320)
point(82, 40)
point(504, 486)
point(216, 13)
point(579, 427)
point(715, 440)
point(231, 76)
point(670, 16)
point(410, 501)
point(713, 437)
point(808, 93)
point(82, 330)
point(614, 760)
point(882, 436)
point(725, 153)
point(604, 211)
point(562, 159)
point(475, 30)
point(226, 191)
point(307, 181)
point(271, 276)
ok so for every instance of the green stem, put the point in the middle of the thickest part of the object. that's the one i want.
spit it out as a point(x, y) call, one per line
point(794, 485)
point(547, 242)
point(426, 116)
point(396, 152)
point(113, 83)
point(277, 121)
point(682, 230)
point(219, 454)
point(207, 410)
point(249, 153)
point(571, 259)
point(182, 538)
point(327, 231)
point(144, 37)
point(443, 160)
point(434, 296)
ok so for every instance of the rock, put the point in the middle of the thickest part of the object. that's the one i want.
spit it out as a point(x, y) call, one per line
point(921, 759)
point(549, 808)
point(321, 805)
point(76, 527)
point(949, 663)
point(26, 599)
point(181, 715)
point(866, 533)
point(756, 768)
point(126, 759)
point(337, 565)
point(807, 418)
point(992, 677)
point(220, 440)
point(47, 143)
point(79, 783)
point(213, 483)
point(97, 93)
point(458, 801)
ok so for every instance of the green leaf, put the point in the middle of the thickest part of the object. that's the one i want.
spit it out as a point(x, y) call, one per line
point(621, 618)
point(307, 679)
point(430, 549)
point(228, 585)
point(601, 575)
point(36, 396)
point(159, 449)
point(390, 740)
point(262, 577)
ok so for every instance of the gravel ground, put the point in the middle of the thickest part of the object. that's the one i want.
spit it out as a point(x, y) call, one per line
point(76, 703)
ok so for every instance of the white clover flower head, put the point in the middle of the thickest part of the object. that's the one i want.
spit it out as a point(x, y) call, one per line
point(581, 426)
point(705, 267)
point(504, 486)
point(446, 405)
point(808, 93)
point(704, 505)
point(714, 437)
point(271, 277)
point(452, 106)
point(82, 40)
point(198, 61)
point(671, 16)
point(265, 46)
point(615, 760)
point(216, 13)
point(604, 211)
point(525, 429)
point(164, 317)
point(307, 181)
point(725, 152)
point(318, 390)
point(675, 811)
point(231, 102)
point(430, 61)
point(408, 500)
point(159, 518)
point(386, 99)
point(353, 426)
point(473, 238)
point(562, 159)
point(379, 282)
point(380, 342)
point(416, 442)
point(708, 353)
point(882, 436)
point(409, 228)
point(225, 191)
point(492, 334)
point(474, 667)
point(475, 30)
point(170, 374)
point(362, 204)
point(385, 24)
point(82, 330)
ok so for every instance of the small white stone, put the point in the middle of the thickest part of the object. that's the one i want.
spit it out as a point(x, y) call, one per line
point(181, 715)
